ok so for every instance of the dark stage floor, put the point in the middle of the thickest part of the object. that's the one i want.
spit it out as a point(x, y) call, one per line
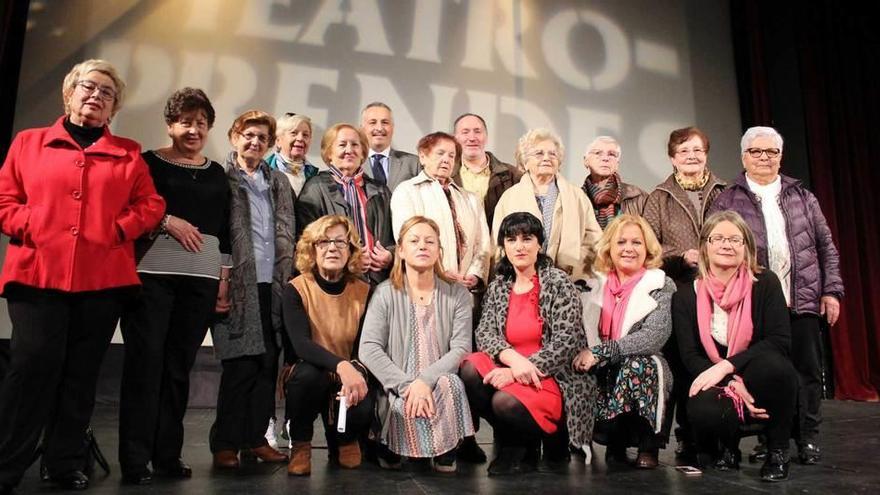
point(850, 443)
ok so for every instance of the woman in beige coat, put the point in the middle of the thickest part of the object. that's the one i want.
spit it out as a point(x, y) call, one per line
point(570, 226)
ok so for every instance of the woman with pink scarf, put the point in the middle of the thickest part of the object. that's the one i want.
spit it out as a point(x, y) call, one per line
point(734, 335)
point(627, 320)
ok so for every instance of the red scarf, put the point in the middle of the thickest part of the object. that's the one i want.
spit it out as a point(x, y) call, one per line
point(615, 300)
point(735, 298)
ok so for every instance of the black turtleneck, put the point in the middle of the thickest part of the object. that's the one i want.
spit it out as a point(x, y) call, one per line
point(84, 136)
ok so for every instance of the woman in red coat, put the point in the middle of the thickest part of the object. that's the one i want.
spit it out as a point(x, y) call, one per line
point(73, 198)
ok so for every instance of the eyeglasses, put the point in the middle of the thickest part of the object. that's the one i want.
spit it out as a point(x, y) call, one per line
point(757, 152)
point(718, 239)
point(686, 152)
point(262, 138)
point(600, 153)
point(341, 244)
point(106, 93)
point(553, 155)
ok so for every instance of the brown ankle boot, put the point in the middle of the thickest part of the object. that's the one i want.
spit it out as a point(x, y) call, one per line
point(300, 459)
point(350, 455)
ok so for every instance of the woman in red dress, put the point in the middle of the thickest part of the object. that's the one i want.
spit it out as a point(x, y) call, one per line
point(521, 379)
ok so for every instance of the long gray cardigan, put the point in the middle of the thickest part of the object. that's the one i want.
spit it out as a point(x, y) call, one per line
point(240, 333)
point(386, 338)
point(563, 337)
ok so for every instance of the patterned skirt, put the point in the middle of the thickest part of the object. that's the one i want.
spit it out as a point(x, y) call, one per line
point(430, 437)
point(632, 385)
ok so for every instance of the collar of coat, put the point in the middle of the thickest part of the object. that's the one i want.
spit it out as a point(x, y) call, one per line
point(424, 177)
point(786, 181)
point(639, 306)
point(105, 145)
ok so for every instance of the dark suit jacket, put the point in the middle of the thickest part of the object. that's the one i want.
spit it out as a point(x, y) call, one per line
point(401, 166)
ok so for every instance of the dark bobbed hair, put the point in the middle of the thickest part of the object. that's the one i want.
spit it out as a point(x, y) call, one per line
point(520, 223)
point(427, 143)
point(188, 100)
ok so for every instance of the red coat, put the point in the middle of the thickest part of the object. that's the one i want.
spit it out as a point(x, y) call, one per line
point(64, 208)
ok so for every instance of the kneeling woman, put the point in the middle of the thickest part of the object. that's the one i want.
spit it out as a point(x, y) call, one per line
point(415, 334)
point(521, 380)
point(323, 309)
point(627, 320)
point(733, 331)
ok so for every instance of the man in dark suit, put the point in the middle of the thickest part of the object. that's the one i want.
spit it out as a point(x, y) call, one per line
point(479, 171)
point(384, 164)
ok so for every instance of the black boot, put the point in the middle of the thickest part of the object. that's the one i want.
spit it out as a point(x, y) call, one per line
point(776, 466)
point(808, 453)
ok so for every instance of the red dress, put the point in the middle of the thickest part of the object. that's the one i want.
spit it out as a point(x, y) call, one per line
point(523, 330)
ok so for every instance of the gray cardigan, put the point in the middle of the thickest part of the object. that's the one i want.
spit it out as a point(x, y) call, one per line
point(386, 335)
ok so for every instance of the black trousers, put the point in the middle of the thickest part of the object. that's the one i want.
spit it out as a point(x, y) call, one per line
point(58, 343)
point(163, 330)
point(772, 381)
point(312, 391)
point(246, 399)
point(806, 355)
point(676, 406)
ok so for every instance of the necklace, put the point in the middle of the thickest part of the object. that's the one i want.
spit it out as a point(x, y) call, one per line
point(192, 169)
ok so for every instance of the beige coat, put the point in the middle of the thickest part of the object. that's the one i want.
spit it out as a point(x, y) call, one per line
point(424, 196)
point(575, 229)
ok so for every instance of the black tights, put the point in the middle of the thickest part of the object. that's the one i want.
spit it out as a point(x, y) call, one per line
point(513, 424)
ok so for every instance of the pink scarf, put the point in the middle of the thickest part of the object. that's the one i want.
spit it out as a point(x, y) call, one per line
point(614, 302)
point(735, 298)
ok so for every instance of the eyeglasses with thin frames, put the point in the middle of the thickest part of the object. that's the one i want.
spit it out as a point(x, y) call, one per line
point(341, 244)
point(718, 239)
point(106, 93)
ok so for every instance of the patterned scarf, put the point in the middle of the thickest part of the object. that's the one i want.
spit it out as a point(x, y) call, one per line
point(614, 302)
point(547, 203)
point(735, 298)
point(460, 238)
point(605, 196)
point(356, 197)
point(692, 184)
point(289, 166)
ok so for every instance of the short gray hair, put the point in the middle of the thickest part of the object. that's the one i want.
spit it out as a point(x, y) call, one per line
point(604, 139)
point(291, 121)
point(92, 65)
point(532, 138)
point(753, 133)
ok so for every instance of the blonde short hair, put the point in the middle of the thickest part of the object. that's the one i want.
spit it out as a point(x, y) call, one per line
point(330, 136)
point(398, 270)
point(530, 140)
point(79, 71)
point(751, 249)
point(306, 253)
point(654, 252)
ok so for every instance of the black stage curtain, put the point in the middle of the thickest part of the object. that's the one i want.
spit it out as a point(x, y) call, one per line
point(13, 19)
point(811, 69)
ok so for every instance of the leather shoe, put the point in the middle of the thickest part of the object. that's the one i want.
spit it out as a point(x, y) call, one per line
point(141, 476)
point(349, 455)
point(226, 459)
point(72, 480)
point(173, 469)
point(266, 453)
point(647, 460)
point(776, 466)
point(510, 461)
point(729, 460)
point(809, 454)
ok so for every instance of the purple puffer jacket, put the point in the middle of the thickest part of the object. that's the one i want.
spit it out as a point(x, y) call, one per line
point(815, 263)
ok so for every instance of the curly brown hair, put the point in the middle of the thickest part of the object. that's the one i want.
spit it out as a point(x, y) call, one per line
point(188, 100)
point(305, 248)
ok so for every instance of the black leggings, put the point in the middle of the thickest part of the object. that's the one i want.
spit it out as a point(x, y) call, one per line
point(772, 381)
point(513, 424)
point(311, 391)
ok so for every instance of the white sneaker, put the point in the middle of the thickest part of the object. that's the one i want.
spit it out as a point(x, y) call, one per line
point(270, 434)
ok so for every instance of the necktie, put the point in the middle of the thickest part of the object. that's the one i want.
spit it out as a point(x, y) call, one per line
point(378, 171)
